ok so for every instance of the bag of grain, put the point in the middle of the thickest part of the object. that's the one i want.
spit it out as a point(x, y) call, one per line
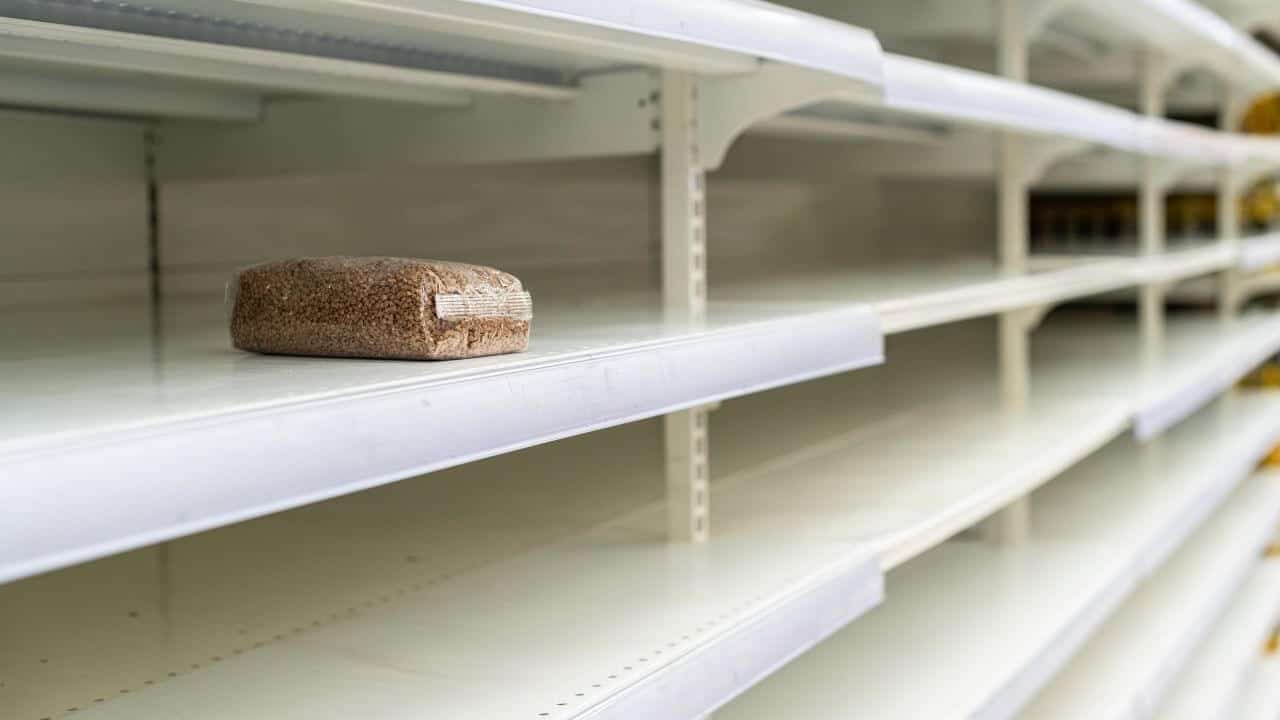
point(378, 307)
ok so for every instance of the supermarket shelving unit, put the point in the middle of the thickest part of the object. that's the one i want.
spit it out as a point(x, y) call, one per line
point(1000, 503)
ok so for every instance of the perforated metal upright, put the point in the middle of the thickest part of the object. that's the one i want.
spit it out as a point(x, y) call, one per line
point(684, 288)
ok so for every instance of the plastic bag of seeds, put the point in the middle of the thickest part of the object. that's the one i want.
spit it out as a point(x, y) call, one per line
point(378, 307)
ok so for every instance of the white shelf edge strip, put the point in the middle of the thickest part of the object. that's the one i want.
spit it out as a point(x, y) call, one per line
point(1218, 670)
point(472, 651)
point(1170, 406)
point(987, 298)
point(927, 88)
point(1184, 264)
point(375, 438)
point(69, 46)
point(1099, 580)
point(716, 36)
point(1259, 252)
point(1260, 697)
point(1234, 555)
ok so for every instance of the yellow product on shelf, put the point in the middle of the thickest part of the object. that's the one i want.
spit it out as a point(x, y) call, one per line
point(1263, 116)
point(1266, 375)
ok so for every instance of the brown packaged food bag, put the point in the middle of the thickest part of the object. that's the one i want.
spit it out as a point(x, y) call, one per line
point(378, 307)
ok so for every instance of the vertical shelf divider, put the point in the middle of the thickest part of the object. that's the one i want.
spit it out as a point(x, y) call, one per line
point(684, 291)
point(1012, 524)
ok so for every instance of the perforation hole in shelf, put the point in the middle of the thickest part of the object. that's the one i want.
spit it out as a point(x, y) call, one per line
point(248, 645)
point(563, 707)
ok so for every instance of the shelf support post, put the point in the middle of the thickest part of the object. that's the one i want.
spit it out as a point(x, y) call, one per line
point(1231, 187)
point(1156, 74)
point(1229, 282)
point(684, 291)
point(1012, 524)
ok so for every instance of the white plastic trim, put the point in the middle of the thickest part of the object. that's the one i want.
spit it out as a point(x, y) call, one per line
point(933, 89)
point(1156, 414)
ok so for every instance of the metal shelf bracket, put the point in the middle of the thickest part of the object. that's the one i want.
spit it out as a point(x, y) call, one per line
point(727, 107)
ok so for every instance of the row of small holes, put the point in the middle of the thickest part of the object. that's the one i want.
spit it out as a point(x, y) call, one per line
point(683, 638)
point(333, 617)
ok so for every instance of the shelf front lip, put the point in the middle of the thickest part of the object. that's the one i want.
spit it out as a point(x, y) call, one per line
point(1158, 677)
point(117, 489)
point(773, 623)
point(906, 545)
point(1157, 686)
point(1259, 697)
point(1235, 471)
point(989, 298)
point(1193, 144)
point(1120, 580)
point(1257, 253)
point(1258, 623)
point(1170, 24)
point(1155, 415)
point(717, 673)
point(1184, 264)
point(69, 46)
point(936, 90)
point(1168, 267)
point(711, 36)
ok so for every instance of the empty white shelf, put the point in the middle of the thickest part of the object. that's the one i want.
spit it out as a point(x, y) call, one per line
point(795, 537)
point(1182, 28)
point(1192, 144)
point(109, 415)
point(1126, 668)
point(717, 36)
point(1167, 267)
point(938, 90)
point(915, 477)
point(1097, 352)
point(1260, 697)
point(1096, 530)
point(1208, 686)
point(967, 617)
point(654, 630)
point(1171, 485)
point(1170, 267)
point(966, 97)
point(913, 295)
point(1259, 252)
point(392, 51)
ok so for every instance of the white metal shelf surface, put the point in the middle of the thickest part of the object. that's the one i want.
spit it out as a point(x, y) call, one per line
point(1127, 667)
point(1099, 353)
point(1209, 685)
point(610, 623)
point(1181, 28)
point(923, 293)
point(1171, 266)
point(109, 414)
point(952, 460)
point(69, 53)
point(1098, 530)
point(1260, 252)
point(1260, 697)
point(820, 523)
